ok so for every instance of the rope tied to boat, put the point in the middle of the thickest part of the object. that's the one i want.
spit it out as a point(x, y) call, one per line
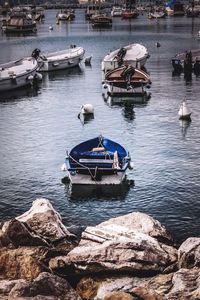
point(85, 167)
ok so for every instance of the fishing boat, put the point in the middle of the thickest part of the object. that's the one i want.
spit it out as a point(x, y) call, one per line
point(19, 22)
point(59, 60)
point(133, 54)
point(99, 161)
point(101, 20)
point(17, 73)
point(116, 11)
point(66, 15)
point(156, 15)
point(130, 14)
point(125, 81)
point(187, 62)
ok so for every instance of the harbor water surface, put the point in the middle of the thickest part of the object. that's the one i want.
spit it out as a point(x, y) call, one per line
point(37, 125)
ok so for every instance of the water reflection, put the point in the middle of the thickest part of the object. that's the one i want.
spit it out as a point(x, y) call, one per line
point(85, 118)
point(84, 192)
point(111, 101)
point(62, 74)
point(24, 92)
point(184, 124)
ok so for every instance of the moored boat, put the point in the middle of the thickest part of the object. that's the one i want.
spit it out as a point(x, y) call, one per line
point(187, 62)
point(125, 81)
point(133, 54)
point(19, 22)
point(59, 60)
point(99, 161)
point(17, 73)
point(156, 15)
point(130, 14)
point(116, 11)
point(101, 20)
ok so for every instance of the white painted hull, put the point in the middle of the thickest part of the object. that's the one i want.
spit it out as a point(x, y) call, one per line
point(84, 179)
point(136, 55)
point(17, 76)
point(110, 90)
point(62, 60)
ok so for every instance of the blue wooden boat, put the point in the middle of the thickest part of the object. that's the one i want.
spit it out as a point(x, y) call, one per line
point(97, 161)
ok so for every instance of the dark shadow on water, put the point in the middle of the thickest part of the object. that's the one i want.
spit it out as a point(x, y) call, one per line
point(21, 93)
point(184, 124)
point(85, 119)
point(97, 192)
point(61, 74)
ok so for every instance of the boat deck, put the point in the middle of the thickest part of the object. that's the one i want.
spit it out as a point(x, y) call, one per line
point(17, 68)
point(69, 53)
point(82, 179)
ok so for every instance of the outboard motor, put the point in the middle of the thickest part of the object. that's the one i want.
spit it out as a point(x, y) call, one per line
point(36, 53)
point(127, 74)
point(178, 68)
point(120, 56)
point(197, 67)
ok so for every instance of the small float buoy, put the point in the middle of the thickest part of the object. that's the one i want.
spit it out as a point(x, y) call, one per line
point(87, 60)
point(158, 45)
point(184, 112)
point(50, 28)
point(64, 167)
point(87, 109)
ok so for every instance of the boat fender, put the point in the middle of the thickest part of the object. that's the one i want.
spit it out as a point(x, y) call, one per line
point(30, 78)
point(131, 165)
point(105, 86)
point(64, 167)
point(38, 76)
point(73, 173)
point(14, 79)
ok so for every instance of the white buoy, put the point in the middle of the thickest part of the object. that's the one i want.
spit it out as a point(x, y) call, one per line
point(87, 109)
point(64, 167)
point(184, 112)
point(50, 27)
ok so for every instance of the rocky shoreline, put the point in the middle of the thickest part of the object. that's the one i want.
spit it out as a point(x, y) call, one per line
point(131, 257)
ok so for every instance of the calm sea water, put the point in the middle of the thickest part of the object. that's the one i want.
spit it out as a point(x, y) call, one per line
point(37, 126)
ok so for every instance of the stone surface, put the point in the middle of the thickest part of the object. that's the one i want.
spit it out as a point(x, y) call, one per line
point(15, 234)
point(118, 296)
point(189, 253)
point(185, 284)
point(45, 286)
point(45, 220)
point(127, 226)
point(139, 254)
point(97, 288)
point(22, 263)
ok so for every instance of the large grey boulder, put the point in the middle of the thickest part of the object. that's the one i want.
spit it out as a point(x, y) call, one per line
point(131, 243)
point(127, 226)
point(45, 286)
point(189, 253)
point(47, 222)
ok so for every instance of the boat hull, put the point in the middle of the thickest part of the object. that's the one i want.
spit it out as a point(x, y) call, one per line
point(110, 90)
point(19, 29)
point(12, 78)
point(52, 63)
point(98, 161)
point(84, 179)
point(136, 56)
